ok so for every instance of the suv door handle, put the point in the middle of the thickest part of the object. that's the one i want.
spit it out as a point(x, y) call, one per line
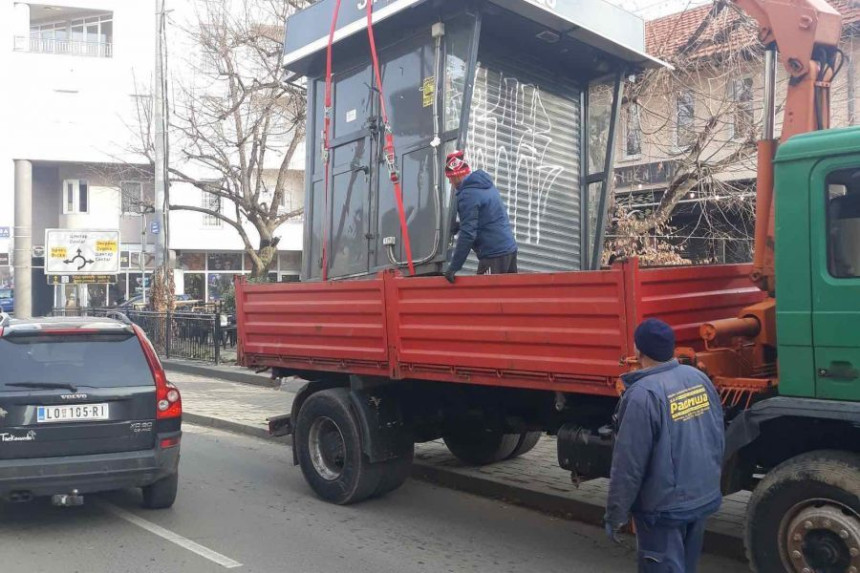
point(839, 370)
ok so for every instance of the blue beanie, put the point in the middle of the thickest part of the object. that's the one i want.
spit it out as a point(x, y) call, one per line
point(655, 339)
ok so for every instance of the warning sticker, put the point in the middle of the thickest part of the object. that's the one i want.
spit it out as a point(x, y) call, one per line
point(351, 115)
point(689, 404)
point(428, 90)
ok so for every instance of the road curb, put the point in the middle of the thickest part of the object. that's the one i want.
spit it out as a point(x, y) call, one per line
point(227, 373)
point(228, 426)
point(575, 510)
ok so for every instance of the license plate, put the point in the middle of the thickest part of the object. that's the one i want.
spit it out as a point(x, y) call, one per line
point(72, 413)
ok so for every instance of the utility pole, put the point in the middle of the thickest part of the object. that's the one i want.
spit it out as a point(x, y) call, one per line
point(158, 117)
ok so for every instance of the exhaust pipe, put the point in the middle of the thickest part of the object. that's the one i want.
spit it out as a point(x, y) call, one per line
point(73, 499)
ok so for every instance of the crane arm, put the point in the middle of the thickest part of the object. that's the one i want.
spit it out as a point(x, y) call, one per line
point(806, 34)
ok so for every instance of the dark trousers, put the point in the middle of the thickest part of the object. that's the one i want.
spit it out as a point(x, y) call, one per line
point(672, 548)
point(503, 265)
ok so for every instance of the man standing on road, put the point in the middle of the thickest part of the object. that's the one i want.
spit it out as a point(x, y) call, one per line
point(484, 224)
point(668, 455)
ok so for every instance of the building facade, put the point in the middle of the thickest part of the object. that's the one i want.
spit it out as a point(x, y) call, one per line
point(81, 74)
point(716, 89)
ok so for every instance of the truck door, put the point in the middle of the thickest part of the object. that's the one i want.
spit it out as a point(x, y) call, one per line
point(835, 273)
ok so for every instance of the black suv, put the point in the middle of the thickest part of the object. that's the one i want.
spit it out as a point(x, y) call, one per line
point(85, 406)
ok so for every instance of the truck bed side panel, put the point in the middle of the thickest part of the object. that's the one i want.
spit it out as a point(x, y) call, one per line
point(685, 297)
point(559, 329)
point(314, 325)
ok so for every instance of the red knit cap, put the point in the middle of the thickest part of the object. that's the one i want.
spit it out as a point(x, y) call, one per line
point(456, 166)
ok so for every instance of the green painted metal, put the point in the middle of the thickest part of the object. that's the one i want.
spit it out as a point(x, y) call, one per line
point(817, 314)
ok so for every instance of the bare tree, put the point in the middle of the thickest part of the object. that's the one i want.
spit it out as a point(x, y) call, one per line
point(702, 118)
point(235, 125)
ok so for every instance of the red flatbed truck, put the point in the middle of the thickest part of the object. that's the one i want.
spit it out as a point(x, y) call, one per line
point(490, 363)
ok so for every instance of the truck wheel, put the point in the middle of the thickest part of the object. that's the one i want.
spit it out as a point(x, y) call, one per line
point(162, 493)
point(394, 473)
point(328, 444)
point(481, 448)
point(804, 516)
point(526, 443)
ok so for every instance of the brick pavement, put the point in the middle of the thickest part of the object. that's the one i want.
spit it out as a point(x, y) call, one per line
point(533, 479)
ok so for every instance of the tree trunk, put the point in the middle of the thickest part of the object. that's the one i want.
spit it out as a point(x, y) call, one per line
point(263, 260)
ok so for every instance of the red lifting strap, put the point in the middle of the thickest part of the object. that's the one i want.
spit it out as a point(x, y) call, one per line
point(326, 149)
point(388, 149)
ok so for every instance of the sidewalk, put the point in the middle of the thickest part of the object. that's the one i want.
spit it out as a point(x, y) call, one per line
point(533, 480)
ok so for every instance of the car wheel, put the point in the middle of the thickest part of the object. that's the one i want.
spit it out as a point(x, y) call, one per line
point(162, 493)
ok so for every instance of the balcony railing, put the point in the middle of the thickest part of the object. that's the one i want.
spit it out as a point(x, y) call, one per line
point(64, 47)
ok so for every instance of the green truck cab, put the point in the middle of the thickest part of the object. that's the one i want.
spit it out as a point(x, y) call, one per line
point(799, 451)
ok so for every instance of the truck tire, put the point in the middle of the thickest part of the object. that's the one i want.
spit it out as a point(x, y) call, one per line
point(483, 447)
point(394, 473)
point(328, 445)
point(526, 443)
point(805, 515)
point(162, 493)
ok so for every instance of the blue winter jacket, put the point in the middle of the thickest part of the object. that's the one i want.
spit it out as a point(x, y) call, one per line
point(668, 453)
point(484, 224)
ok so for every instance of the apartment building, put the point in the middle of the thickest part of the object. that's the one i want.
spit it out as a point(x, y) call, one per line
point(720, 78)
point(78, 74)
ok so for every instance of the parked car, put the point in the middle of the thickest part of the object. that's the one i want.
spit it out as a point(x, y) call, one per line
point(7, 300)
point(85, 406)
point(181, 302)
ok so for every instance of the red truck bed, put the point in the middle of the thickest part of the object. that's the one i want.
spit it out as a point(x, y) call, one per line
point(559, 331)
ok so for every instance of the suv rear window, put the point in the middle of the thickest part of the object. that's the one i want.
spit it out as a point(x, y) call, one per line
point(85, 360)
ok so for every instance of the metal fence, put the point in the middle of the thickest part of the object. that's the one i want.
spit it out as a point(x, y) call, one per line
point(189, 335)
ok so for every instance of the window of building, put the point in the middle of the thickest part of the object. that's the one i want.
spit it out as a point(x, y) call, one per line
point(633, 145)
point(742, 108)
point(191, 261)
point(132, 197)
point(224, 262)
point(685, 110)
point(213, 203)
point(86, 36)
point(76, 196)
point(843, 223)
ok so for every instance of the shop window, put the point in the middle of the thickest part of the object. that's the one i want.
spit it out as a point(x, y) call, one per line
point(224, 262)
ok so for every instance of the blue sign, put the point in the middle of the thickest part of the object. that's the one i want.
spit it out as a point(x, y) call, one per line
point(5, 233)
point(155, 228)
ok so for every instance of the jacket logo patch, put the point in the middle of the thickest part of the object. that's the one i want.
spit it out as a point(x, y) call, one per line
point(689, 404)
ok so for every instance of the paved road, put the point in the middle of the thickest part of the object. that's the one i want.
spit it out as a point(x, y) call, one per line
point(242, 502)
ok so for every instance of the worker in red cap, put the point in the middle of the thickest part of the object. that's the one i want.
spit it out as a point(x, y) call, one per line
point(483, 221)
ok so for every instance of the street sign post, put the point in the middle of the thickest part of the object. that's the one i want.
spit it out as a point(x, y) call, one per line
point(81, 252)
point(5, 233)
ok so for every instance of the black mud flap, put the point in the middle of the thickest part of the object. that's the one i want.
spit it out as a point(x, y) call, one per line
point(384, 433)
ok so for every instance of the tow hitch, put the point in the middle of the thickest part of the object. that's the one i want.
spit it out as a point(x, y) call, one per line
point(67, 499)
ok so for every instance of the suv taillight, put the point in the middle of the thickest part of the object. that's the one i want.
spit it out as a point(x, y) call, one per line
point(167, 398)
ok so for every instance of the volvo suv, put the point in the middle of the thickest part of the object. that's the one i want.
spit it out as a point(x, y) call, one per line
point(85, 406)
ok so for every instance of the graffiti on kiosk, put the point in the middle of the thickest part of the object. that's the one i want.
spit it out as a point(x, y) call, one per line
point(509, 135)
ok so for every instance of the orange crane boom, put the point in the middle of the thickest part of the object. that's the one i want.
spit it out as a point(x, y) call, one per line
point(739, 351)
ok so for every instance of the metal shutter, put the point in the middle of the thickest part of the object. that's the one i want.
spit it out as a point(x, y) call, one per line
point(524, 130)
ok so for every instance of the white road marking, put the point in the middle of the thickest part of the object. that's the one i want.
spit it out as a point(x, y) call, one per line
point(175, 538)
